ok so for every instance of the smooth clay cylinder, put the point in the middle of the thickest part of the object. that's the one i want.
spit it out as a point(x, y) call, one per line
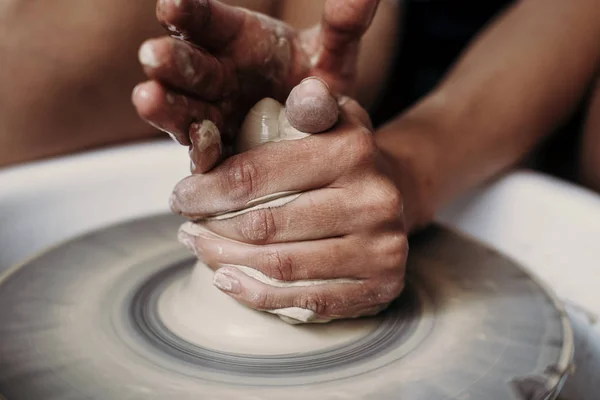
point(266, 122)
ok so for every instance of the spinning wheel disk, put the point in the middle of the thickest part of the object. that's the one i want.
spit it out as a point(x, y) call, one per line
point(83, 321)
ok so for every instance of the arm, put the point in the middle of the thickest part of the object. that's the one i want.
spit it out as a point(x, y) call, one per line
point(62, 92)
point(519, 79)
point(67, 74)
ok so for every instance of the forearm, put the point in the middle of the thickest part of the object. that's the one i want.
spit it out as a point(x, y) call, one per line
point(512, 86)
point(68, 71)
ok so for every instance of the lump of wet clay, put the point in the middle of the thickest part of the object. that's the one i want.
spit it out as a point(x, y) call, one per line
point(309, 109)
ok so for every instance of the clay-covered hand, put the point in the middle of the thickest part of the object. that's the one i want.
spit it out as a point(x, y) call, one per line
point(220, 60)
point(311, 229)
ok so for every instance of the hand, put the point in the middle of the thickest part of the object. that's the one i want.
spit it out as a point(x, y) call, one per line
point(220, 60)
point(336, 250)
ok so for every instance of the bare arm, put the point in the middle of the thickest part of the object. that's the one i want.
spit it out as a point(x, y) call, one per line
point(68, 70)
point(519, 79)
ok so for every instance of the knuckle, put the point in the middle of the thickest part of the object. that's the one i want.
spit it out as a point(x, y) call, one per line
point(315, 302)
point(390, 289)
point(393, 194)
point(258, 227)
point(241, 178)
point(279, 266)
point(393, 203)
point(392, 250)
point(261, 300)
point(386, 201)
point(361, 146)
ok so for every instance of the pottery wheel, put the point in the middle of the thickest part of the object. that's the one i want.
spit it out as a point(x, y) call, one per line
point(87, 320)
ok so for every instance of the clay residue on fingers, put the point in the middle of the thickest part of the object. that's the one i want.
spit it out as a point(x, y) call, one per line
point(273, 45)
point(185, 66)
point(267, 122)
point(281, 53)
point(147, 56)
point(206, 148)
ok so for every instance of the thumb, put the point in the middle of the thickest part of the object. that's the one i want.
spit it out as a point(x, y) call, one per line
point(311, 107)
point(342, 27)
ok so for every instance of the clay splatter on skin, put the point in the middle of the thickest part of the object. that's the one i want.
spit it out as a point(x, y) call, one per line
point(175, 32)
point(147, 56)
point(276, 49)
point(208, 135)
point(206, 145)
point(281, 50)
point(183, 59)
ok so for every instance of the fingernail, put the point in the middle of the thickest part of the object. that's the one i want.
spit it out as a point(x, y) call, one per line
point(141, 92)
point(314, 79)
point(226, 283)
point(147, 56)
point(188, 241)
point(197, 231)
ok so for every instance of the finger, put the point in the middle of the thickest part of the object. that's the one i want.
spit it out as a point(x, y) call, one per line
point(206, 148)
point(310, 107)
point(288, 166)
point(312, 215)
point(187, 69)
point(326, 300)
point(172, 112)
point(209, 24)
point(343, 25)
point(348, 257)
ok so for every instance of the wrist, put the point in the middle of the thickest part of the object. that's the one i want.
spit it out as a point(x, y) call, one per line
point(412, 145)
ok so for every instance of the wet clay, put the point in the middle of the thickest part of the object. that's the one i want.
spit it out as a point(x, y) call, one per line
point(223, 324)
